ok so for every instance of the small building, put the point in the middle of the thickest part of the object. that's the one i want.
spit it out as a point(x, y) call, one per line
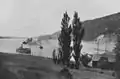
point(111, 58)
point(104, 61)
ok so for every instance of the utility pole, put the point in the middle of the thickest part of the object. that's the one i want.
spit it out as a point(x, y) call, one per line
point(97, 43)
point(106, 29)
point(98, 47)
point(105, 46)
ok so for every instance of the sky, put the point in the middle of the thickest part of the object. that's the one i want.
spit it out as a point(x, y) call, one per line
point(39, 17)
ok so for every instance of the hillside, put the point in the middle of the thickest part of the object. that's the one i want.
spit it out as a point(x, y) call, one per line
point(16, 66)
point(93, 28)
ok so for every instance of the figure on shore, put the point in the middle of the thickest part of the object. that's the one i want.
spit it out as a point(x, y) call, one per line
point(57, 56)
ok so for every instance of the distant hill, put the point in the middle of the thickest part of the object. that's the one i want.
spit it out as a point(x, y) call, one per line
point(51, 36)
point(45, 37)
point(93, 28)
point(9, 37)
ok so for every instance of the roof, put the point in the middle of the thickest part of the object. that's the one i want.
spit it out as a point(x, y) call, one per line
point(111, 58)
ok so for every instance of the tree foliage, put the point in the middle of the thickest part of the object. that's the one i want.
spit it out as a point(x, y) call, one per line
point(65, 38)
point(78, 33)
point(117, 46)
point(117, 52)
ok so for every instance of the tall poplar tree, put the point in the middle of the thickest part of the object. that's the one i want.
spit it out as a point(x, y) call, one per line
point(65, 39)
point(78, 33)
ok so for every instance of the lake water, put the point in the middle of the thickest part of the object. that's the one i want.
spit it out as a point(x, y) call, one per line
point(10, 45)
